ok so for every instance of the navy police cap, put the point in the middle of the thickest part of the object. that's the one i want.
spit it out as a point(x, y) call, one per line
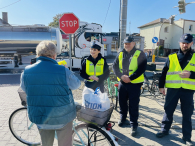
point(96, 45)
point(186, 38)
point(128, 39)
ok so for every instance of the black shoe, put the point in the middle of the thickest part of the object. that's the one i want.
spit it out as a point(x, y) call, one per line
point(121, 122)
point(161, 134)
point(133, 131)
point(187, 141)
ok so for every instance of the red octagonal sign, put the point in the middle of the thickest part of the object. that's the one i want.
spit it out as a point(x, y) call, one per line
point(69, 23)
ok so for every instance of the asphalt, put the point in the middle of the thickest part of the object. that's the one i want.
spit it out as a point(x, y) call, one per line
point(150, 116)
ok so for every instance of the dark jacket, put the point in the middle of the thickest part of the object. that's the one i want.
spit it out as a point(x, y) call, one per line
point(183, 61)
point(102, 78)
point(142, 63)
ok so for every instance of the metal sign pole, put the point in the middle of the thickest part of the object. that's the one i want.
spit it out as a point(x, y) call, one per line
point(70, 48)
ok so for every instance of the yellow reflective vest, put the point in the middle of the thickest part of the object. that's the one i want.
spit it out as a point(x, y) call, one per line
point(63, 62)
point(132, 66)
point(173, 80)
point(96, 70)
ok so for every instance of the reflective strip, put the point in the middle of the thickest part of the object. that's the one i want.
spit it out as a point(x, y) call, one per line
point(173, 73)
point(188, 82)
point(183, 81)
point(173, 81)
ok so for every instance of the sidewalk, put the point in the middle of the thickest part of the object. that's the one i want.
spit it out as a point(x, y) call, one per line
point(151, 114)
point(149, 121)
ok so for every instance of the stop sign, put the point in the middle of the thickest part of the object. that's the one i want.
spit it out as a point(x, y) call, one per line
point(69, 23)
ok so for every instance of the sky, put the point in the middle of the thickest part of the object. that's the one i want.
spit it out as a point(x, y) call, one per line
point(104, 12)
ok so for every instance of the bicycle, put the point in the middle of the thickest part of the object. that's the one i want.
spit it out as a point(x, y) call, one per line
point(153, 88)
point(111, 88)
point(87, 129)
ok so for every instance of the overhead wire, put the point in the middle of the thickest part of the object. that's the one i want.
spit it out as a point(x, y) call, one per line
point(107, 13)
point(10, 4)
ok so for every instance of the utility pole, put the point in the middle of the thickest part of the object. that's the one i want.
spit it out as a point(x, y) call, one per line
point(123, 23)
point(129, 28)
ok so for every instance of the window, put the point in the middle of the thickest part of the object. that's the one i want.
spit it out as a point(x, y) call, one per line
point(190, 27)
point(166, 29)
point(93, 36)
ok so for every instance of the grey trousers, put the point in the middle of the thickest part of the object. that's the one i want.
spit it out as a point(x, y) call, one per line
point(64, 136)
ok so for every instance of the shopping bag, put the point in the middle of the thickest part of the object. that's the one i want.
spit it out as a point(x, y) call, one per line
point(95, 99)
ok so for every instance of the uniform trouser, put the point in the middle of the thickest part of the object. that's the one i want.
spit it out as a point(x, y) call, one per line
point(64, 136)
point(132, 92)
point(187, 108)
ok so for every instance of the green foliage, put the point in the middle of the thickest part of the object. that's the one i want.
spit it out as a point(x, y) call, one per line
point(160, 51)
point(155, 51)
point(55, 22)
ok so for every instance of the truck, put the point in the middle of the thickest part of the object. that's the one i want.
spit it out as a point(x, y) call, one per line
point(18, 41)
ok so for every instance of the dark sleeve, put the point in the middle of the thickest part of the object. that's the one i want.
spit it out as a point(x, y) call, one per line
point(106, 72)
point(142, 63)
point(192, 76)
point(164, 73)
point(116, 67)
point(83, 70)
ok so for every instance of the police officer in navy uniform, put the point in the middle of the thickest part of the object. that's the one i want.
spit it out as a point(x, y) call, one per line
point(129, 67)
point(178, 76)
point(94, 68)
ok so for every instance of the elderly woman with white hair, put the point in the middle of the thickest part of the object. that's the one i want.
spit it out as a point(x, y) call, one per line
point(49, 98)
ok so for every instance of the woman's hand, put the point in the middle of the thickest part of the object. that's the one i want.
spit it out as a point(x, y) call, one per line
point(94, 78)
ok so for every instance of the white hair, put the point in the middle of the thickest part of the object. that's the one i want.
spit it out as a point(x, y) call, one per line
point(46, 48)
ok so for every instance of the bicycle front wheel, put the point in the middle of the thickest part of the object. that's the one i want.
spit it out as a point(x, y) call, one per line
point(84, 133)
point(22, 129)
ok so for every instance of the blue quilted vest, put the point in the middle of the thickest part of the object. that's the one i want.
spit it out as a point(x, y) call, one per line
point(49, 98)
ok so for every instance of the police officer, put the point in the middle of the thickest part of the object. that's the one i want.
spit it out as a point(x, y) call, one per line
point(94, 68)
point(129, 66)
point(178, 76)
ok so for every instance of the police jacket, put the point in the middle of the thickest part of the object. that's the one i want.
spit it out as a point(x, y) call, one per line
point(183, 61)
point(49, 99)
point(84, 75)
point(142, 63)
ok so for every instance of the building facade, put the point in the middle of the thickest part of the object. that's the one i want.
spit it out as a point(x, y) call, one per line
point(168, 34)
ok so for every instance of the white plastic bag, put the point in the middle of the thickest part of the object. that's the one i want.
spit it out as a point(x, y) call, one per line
point(95, 99)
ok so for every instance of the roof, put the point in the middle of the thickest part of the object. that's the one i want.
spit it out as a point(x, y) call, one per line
point(3, 22)
point(160, 20)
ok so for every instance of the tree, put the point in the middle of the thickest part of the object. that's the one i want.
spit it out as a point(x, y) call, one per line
point(55, 22)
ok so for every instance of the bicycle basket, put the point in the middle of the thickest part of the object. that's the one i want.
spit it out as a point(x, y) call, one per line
point(157, 76)
point(93, 116)
point(22, 95)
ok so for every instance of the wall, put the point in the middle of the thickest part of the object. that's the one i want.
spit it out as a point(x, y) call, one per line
point(179, 22)
point(148, 33)
point(177, 33)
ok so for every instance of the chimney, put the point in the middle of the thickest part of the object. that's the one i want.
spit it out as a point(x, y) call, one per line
point(4, 17)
